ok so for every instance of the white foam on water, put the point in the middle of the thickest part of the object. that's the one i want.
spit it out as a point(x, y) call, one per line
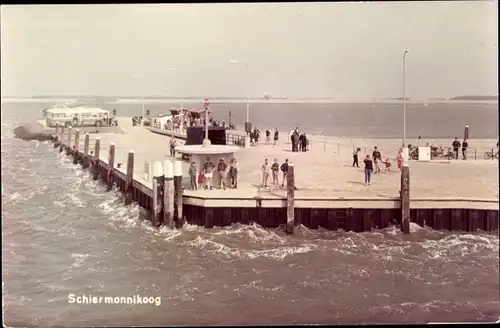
point(415, 227)
point(253, 230)
point(77, 201)
point(78, 259)
point(15, 196)
point(276, 253)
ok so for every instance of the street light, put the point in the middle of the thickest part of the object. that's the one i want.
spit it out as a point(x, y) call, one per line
point(405, 149)
point(234, 61)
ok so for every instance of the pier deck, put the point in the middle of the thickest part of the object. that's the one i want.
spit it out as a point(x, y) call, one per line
point(318, 174)
point(325, 180)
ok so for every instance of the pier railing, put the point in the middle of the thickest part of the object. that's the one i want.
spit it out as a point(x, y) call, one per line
point(472, 153)
point(231, 138)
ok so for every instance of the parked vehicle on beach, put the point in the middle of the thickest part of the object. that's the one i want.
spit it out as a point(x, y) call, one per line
point(68, 115)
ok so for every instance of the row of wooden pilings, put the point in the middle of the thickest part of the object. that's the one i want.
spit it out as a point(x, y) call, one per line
point(167, 186)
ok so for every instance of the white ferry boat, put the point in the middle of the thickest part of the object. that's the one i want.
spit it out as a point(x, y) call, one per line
point(75, 115)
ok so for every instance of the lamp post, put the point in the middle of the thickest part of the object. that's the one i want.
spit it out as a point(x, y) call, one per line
point(405, 149)
point(142, 98)
point(234, 61)
point(206, 141)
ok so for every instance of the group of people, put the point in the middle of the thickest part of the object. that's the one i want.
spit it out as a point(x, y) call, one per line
point(255, 136)
point(373, 163)
point(228, 174)
point(299, 140)
point(274, 169)
point(456, 148)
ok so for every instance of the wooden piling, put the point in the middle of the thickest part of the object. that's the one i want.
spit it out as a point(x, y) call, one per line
point(76, 155)
point(61, 143)
point(111, 165)
point(68, 145)
point(129, 178)
point(290, 195)
point(86, 144)
point(61, 133)
point(405, 199)
point(168, 194)
point(157, 193)
point(178, 190)
point(58, 136)
point(97, 149)
point(466, 132)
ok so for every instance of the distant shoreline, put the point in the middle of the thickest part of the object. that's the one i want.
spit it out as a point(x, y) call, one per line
point(252, 101)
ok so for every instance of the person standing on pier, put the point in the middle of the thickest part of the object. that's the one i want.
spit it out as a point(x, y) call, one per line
point(355, 158)
point(456, 146)
point(208, 168)
point(368, 169)
point(193, 176)
point(172, 147)
point(304, 142)
point(221, 168)
point(265, 173)
point(295, 142)
point(377, 157)
point(233, 173)
point(276, 136)
point(465, 144)
point(268, 136)
point(275, 168)
point(284, 169)
point(400, 159)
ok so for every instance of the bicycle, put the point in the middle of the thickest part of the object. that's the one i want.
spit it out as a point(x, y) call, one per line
point(490, 155)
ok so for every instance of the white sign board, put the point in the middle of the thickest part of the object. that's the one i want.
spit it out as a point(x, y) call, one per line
point(424, 153)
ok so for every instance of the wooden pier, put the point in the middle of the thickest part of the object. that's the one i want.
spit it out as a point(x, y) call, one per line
point(168, 203)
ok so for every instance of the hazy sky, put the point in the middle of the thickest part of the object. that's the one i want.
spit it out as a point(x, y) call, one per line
point(344, 50)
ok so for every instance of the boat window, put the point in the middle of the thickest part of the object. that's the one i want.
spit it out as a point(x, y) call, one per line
point(87, 114)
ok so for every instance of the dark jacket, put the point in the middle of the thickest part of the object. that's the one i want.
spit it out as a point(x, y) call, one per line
point(222, 166)
point(456, 144)
point(368, 164)
point(376, 155)
point(284, 167)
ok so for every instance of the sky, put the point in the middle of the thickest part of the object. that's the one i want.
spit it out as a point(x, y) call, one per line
point(341, 50)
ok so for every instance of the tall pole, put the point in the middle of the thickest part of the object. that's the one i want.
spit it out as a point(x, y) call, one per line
point(206, 141)
point(234, 61)
point(248, 100)
point(182, 102)
point(404, 96)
